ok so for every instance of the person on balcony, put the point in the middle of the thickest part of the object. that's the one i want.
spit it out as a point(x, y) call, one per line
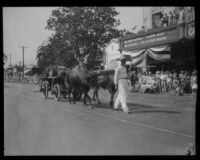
point(170, 18)
point(190, 14)
point(175, 17)
point(142, 30)
point(165, 20)
point(181, 16)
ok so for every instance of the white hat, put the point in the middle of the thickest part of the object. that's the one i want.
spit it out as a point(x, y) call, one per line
point(122, 57)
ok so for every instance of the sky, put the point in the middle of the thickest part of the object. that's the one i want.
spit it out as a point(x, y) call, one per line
point(25, 26)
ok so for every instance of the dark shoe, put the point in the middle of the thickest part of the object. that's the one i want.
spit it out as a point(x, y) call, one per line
point(127, 111)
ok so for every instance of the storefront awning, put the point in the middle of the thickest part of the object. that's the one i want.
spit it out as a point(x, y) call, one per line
point(28, 71)
point(160, 53)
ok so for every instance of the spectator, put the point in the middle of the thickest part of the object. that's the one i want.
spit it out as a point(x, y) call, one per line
point(175, 82)
point(170, 18)
point(142, 30)
point(163, 81)
point(161, 22)
point(165, 20)
point(193, 81)
point(169, 81)
point(181, 16)
point(181, 76)
point(186, 83)
point(154, 26)
point(191, 14)
point(158, 81)
point(133, 78)
point(175, 17)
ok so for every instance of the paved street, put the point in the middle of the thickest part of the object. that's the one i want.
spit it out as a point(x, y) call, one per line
point(33, 125)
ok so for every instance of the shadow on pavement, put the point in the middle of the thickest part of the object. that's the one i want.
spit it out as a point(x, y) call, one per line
point(139, 105)
point(155, 111)
point(50, 97)
point(138, 108)
point(7, 86)
point(103, 105)
point(144, 106)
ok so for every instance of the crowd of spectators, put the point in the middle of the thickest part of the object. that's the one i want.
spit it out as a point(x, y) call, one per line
point(28, 79)
point(176, 16)
point(173, 17)
point(163, 82)
point(31, 79)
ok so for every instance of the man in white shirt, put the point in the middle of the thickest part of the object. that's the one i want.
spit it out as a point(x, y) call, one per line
point(121, 83)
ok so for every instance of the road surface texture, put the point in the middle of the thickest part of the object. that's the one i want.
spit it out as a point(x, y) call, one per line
point(159, 124)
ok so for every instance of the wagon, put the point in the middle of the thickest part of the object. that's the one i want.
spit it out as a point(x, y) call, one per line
point(55, 85)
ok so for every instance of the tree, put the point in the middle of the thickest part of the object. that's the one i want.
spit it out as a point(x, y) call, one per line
point(75, 27)
point(5, 58)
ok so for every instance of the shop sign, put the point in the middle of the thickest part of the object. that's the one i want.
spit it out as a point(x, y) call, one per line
point(151, 39)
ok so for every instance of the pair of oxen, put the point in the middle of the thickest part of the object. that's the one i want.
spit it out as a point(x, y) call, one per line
point(78, 82)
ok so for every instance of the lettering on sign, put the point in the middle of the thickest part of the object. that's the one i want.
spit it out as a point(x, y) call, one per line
point(153, 38)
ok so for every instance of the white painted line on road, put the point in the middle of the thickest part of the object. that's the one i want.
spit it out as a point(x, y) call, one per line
point(118, 119)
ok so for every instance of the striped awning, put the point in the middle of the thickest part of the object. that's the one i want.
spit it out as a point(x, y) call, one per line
point(160, 53)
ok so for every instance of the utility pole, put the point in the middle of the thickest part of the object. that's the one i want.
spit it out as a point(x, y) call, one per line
point(23, 57)
point(10, 59)
point(120, 42)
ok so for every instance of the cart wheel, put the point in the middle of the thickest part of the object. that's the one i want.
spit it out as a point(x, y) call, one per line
point(57, 92)
point(45, 89)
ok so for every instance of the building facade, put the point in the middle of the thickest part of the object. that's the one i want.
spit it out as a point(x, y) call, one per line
point(168, 41)
point(112, 52)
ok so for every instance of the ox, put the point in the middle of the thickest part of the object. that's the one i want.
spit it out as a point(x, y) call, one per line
point(104, 80)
